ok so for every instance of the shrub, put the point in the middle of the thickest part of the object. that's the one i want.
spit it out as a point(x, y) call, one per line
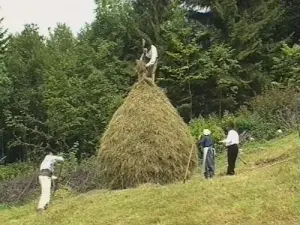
point(85, 177)
point(277, 105)
point(25, 188)
point(264, 130)
point(212, 123)
point(19, 190)
point(246, 120)
point(12, 171)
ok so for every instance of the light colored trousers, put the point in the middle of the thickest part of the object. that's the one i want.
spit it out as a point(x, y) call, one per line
point(45, 183)
point(152, 70)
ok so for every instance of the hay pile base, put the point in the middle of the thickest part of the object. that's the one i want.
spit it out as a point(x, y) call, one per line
point(145, 142)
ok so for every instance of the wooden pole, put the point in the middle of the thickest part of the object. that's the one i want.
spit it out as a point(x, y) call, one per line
point(242, 160)
point(55, 184)
point(143, 45)
point(188, 165)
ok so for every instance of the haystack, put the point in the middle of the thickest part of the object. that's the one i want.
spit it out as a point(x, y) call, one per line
point(146, 141)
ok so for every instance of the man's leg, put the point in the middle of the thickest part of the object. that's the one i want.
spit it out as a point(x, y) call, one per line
point(213, 161)
point(48, 191)
point(230, 169)
point(42, 197)
point(153, 71)
point(235, 151)
point(45, 183)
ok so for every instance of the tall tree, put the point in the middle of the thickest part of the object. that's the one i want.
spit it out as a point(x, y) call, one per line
point(4, 83)
point(249, 28)
point(289, 24)
point(79, 98)
point(110, 35)
point(4, 80)
point(26, 59)
point(193, 74)
point(4, 37)
point(150, 14)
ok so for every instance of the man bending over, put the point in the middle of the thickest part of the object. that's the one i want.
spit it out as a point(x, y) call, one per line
point(45, 177)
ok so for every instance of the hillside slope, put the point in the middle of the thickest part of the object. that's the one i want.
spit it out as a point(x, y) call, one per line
point(263, 192)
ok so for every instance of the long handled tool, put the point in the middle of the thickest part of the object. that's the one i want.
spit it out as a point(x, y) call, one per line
point(143, 45)
point(2, 159)
point(55, 184)
point(242, 160)
point(188, 165)
point(244, 136)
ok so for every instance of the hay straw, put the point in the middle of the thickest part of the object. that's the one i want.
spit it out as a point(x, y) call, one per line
point(145, 142)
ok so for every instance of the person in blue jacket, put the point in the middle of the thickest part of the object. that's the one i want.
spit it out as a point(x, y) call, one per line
point(207, 144)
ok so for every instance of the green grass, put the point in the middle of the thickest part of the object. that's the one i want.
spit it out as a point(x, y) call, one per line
point(261, 193)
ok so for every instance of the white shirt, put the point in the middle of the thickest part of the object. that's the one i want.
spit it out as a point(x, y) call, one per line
point(232, 138)
point(49, 162)
point(152, 55)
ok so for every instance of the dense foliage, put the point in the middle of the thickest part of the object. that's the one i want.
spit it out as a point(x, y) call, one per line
point(59, 91)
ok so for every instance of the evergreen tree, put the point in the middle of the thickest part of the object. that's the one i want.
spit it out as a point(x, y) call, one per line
point(249, 28)
point(3, 37)
point(4, 84)
point(4, 81)
point(26, 60)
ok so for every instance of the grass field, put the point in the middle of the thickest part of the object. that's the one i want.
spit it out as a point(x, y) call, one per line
point(263, 192)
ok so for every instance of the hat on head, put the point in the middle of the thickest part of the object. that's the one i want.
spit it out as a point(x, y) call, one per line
point(206, 132)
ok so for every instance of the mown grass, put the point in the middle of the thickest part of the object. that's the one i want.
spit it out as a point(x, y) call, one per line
point(261, 193)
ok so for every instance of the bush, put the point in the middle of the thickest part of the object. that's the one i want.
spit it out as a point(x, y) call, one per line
point(84, 178)
point(245, 120)
point(264, 131)
point(214, 124)
point(13, 171)
point(19, 190)
point(77, 178)
point(277, 106)
point(253, 123)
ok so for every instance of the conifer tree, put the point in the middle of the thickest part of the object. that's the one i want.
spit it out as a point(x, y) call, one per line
point(3, 37)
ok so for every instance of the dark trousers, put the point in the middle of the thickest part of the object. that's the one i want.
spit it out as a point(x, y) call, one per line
point(232, 153)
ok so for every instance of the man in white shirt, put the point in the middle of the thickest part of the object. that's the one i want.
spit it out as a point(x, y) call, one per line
point(45, 176)
point(152, 64)
point(231, 142)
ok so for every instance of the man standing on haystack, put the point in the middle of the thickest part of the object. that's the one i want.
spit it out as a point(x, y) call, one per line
point(151, 52)
point(45, 177)
point(208, 165)
point(231, 142)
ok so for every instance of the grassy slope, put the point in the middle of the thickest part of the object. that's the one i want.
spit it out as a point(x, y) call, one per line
point(259, 194)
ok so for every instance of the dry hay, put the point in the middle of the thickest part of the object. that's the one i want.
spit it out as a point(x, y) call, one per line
point(145, 142)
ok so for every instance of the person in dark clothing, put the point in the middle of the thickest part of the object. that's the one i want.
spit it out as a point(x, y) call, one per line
point(231, 142)
point(206, 143)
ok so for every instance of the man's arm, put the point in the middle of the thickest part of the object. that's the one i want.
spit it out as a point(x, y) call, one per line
point(200, 142)
point(228, 140)
point(153, 56)
point(58, 158)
